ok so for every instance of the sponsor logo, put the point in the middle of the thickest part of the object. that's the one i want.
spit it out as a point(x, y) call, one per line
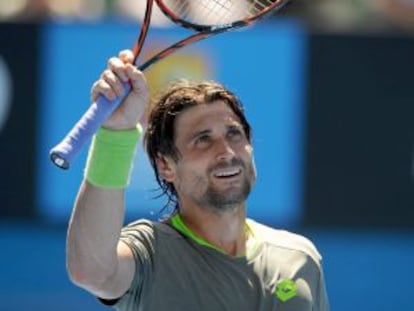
point(286, 289)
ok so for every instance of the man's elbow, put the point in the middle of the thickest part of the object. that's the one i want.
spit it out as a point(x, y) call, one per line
point(86, 278)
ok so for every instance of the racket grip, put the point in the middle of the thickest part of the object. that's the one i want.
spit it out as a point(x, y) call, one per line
point(64, 153)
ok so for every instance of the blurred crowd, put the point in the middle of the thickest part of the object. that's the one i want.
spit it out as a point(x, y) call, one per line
point(37, 10)
point(354, 15)
point(325, 15)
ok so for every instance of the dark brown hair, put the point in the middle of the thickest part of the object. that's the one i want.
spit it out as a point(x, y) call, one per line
point(180, 95)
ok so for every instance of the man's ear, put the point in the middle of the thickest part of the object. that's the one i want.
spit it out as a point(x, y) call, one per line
point(165, 167)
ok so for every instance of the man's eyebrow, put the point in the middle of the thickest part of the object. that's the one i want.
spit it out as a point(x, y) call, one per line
point(235, 125)
point(200, 133)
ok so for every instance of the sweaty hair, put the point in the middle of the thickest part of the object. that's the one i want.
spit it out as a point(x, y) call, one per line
point(159, 137)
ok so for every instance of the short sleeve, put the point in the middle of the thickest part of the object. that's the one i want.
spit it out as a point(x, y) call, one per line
point(140, 237)
point(322, 304)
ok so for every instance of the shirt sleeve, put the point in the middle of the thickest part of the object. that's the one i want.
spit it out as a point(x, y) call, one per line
point(140, 237)
point(323, 302)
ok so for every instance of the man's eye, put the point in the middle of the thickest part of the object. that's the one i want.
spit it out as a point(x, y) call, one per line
point(203, 140)
point(235, 134)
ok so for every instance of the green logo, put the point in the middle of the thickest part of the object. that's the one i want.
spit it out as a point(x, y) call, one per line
point(286, 289)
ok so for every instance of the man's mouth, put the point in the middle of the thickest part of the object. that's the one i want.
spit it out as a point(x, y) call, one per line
point(227, 173)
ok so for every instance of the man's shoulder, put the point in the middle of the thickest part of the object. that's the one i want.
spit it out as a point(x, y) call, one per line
point(285, 240)
point(148, 227)
point(140, 225)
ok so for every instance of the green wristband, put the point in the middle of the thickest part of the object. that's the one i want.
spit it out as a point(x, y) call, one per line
point(111, 156)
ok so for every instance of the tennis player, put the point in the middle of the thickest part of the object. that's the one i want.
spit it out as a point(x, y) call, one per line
point(207, 255)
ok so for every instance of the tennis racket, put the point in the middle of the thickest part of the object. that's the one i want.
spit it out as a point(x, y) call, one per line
point(205, 17)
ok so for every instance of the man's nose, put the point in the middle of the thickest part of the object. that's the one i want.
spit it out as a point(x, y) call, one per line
point(224, 150)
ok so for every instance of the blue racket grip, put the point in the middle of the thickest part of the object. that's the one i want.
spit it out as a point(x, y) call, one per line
point(64, 153)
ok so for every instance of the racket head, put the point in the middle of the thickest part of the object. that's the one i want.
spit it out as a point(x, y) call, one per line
point(217, 15)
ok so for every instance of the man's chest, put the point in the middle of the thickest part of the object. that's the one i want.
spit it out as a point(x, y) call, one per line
point(214, 283)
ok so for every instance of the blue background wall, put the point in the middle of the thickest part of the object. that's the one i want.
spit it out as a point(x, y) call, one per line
point(276, 90)
point(336, 168)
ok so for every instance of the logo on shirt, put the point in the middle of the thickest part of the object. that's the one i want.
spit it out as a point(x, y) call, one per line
point(286, 289)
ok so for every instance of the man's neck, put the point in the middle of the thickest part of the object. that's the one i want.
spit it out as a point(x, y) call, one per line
point(225, 230)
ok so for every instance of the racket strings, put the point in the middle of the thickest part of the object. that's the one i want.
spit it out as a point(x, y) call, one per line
point(217, 12)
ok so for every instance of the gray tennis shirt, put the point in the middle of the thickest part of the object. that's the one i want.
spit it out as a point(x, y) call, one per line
point(281, 271)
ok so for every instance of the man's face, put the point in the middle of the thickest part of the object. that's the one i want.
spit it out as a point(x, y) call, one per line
point(215, 167)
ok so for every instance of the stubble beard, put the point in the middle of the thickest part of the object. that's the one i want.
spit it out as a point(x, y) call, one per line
point(227, 200)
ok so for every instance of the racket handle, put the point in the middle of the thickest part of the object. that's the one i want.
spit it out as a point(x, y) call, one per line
point(63, 153)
